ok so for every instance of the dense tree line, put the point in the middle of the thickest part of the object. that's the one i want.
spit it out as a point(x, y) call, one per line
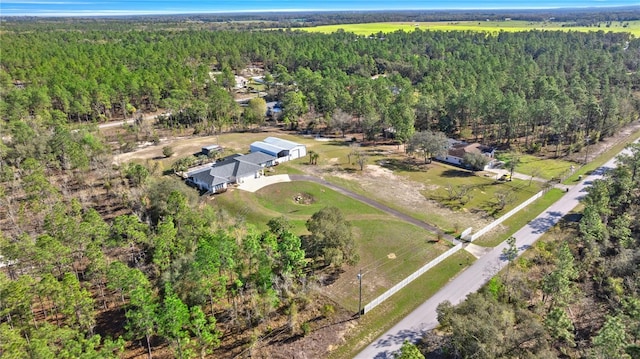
point(544, 87)
point(83, 239)
point(578, 297)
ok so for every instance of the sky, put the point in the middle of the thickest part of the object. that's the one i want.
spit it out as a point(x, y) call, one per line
point(157, 7)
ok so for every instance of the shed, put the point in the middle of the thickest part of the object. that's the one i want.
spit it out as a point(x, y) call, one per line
point(211, 150)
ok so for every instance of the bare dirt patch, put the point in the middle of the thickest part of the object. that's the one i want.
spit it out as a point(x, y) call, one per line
point(304, 198)
point(182, 146)
point(385, 185)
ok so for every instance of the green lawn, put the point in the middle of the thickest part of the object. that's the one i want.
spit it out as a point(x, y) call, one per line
point(493, 27)
point(436, 178)
point(484, 190)
point(281, 198)
point(546, 168)
point(389, 249)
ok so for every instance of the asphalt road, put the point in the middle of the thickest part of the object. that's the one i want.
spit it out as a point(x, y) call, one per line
point(424, 317)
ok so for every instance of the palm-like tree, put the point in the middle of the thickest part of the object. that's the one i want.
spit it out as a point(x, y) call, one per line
point(313, 157)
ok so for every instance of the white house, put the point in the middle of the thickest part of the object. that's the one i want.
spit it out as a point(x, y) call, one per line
point(283, 150)
point(457, 150)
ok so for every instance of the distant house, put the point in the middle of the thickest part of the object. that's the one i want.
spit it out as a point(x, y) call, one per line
point(283, 150)
point(240, 82)
point(233, 169)
point(273, 108)
point(457, 150)
point(258, 79)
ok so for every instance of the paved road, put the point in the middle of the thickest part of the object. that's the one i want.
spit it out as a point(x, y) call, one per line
point(424, 317)
point(374, 204)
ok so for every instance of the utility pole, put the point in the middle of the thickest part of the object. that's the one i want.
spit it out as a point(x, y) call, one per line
point(360, 296)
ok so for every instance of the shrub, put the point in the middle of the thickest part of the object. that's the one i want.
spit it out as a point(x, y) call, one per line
point(328, 310)
point(306, 328)
point(167, 151)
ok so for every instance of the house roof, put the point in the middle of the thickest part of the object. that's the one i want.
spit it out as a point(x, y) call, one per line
point(202, 175)
point(460, 148)
point(229, 169)
point(284, 144)
point(212, 147)
point(256, 158)
point(476, 147)
point(233, 168)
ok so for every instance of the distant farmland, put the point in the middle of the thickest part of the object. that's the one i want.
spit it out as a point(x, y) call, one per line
point(632, 27)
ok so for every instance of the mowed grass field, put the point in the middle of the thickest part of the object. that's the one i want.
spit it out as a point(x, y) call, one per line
point(389, 249)
point(546, 168)
point(366, 29)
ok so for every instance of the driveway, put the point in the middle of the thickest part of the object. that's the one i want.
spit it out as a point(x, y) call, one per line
point(263, 181)
point(255, 185)
point(126, 122)
point(521, 176)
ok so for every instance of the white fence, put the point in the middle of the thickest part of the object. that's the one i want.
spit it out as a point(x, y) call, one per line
point(410, 278)
point(493, 224)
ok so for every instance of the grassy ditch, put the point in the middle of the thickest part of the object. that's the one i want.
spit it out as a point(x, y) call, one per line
point(520, 219)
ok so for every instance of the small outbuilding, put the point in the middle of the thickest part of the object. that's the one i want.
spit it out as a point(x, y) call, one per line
point(210, 150)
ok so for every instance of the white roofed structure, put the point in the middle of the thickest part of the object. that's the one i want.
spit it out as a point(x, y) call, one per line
point(283, 150)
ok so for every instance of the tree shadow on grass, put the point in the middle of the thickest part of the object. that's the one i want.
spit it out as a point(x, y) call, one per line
point(398, 165)
point(456, 173)
point(492, 208)
point(341, 143)
point(328, 275)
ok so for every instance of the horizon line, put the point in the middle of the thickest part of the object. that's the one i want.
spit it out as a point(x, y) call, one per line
point(142, 13)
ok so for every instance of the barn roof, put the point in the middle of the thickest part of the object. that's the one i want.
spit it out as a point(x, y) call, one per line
point(284, 144)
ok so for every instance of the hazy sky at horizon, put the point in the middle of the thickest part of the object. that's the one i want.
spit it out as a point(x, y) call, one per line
point(158, 7)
